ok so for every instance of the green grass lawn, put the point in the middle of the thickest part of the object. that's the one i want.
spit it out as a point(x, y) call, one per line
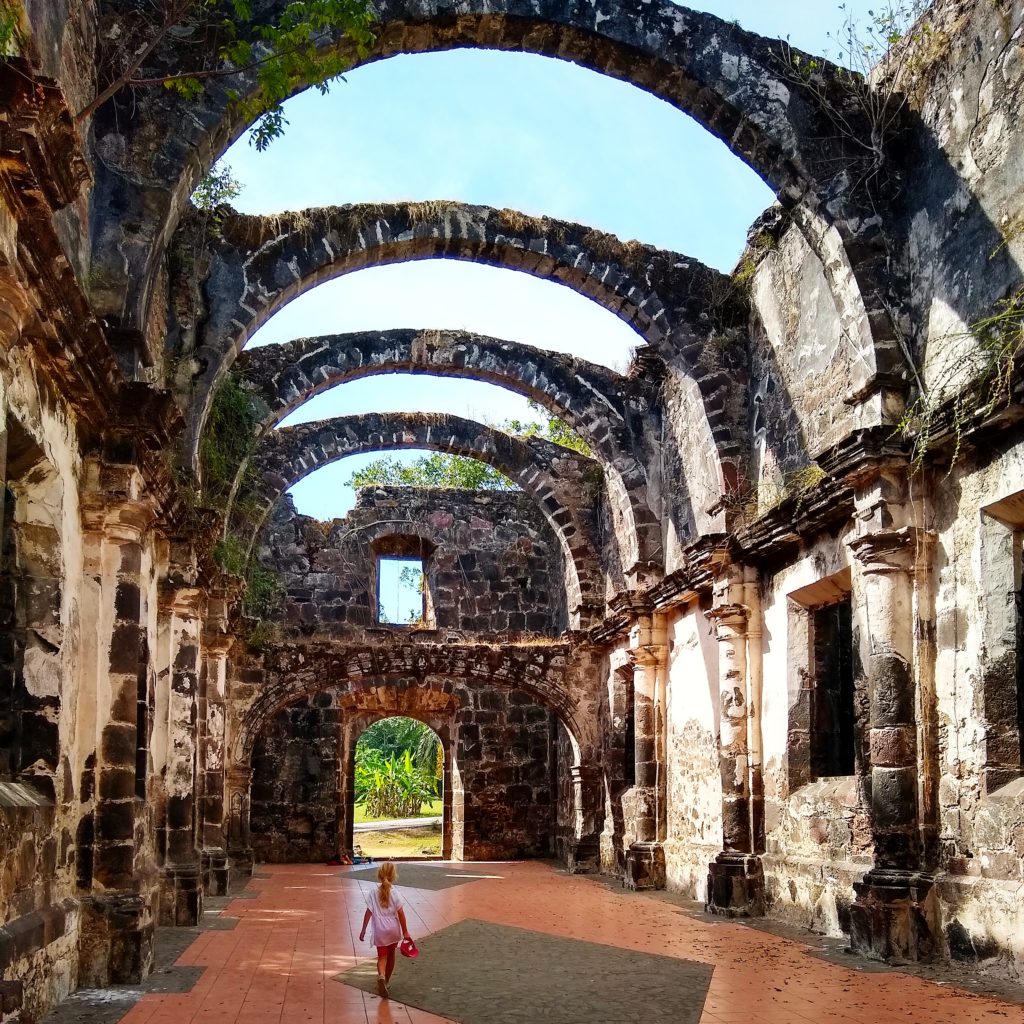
point(412, 842)
point(431, 810)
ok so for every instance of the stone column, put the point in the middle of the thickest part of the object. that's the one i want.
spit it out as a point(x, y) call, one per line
point(117, 925)
point(736, 877)
point(211, 811)
point(893, 915)
point(240, 855)
point(585, 851)
point(645, 859)
point(181, 900)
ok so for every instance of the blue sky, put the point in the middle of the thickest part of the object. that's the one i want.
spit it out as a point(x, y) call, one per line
point(514, 130)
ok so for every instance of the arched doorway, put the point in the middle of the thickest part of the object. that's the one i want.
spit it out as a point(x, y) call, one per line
point(398, 789)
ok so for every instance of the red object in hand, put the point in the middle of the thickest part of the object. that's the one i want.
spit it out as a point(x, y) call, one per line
point(409, 948)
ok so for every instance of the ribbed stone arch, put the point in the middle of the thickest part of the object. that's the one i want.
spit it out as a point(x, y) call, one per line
point(686, 309)
point(557, 479)
point(299, 671)
point(738, 85)
point(616, 415)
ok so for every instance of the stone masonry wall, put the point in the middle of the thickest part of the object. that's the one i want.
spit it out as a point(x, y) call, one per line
point(506, 770)
point(504, 765)
point(295, 783)
point(492, 563)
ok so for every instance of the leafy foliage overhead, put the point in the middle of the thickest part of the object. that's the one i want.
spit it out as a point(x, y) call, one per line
point(442, 470)
point(277, 57)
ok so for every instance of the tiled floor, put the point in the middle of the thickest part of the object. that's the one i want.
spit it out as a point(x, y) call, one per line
point(278, 965)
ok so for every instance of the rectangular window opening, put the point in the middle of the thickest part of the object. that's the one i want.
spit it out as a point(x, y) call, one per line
point(401, 591)
point(833, 720)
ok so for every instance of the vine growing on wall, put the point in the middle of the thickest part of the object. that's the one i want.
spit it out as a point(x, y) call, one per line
point(227, 444)
point(12, 32)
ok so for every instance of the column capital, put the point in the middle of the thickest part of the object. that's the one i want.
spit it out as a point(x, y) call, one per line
point(891, 551)
point(186, 602)
point(117, 518)
point(218, 645)
point(646, 632)
point(585, 773)
point(729, 615)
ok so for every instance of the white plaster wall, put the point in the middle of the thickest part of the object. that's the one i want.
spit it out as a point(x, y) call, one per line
point(803, 363)
point(694, 835)
point(816, 835)
point(981, 834)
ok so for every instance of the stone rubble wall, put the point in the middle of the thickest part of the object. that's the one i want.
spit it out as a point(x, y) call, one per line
point(295, 785)
point(492, 564)
point(507, 776)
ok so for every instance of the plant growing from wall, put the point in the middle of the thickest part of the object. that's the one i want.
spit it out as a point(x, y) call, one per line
point(228, 441)
point(12, 33)
point(984, 365)
point(873, 57)
point(217, 187)
point(278, 58)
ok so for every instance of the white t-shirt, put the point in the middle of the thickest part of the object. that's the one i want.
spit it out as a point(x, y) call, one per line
point(386, 926)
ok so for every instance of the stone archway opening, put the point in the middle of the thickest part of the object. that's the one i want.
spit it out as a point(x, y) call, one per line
point(399, 790)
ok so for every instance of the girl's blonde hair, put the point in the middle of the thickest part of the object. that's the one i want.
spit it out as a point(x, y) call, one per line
point(386, 875)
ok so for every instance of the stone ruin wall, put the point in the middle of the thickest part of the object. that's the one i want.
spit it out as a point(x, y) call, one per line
point(296, 789)
point(493, 567)
point(121, 622)
point(503, 773)
point(818, 838)
point(492, 563)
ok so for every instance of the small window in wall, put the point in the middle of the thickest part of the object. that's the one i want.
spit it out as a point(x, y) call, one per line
point(826, 712)
point(401, 590)
point(833, 723)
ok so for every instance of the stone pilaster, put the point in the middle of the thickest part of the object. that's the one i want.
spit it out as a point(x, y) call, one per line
point(736, 877)
point(182, 890)
point(211, 810)
point(891, 917)
point(117, 927)
point(240, 855)
point(585, 851)
point(645, 858)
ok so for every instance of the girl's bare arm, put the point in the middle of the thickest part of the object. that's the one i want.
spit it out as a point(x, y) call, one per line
point(401, 921)
point(366, 921)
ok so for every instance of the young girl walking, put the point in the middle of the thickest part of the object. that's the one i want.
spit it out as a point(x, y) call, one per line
point(384, 908)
